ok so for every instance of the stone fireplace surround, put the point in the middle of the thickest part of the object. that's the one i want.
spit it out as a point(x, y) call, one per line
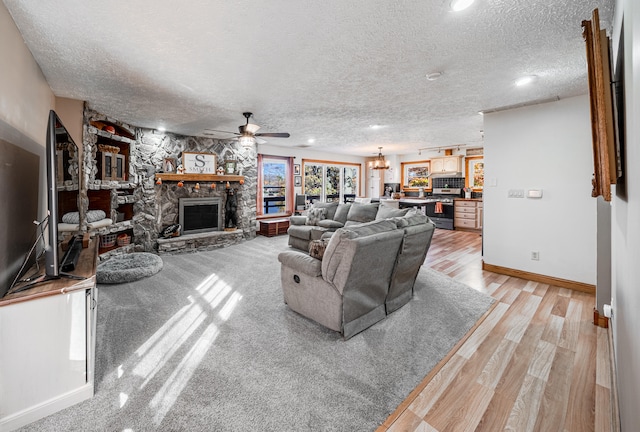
point(157, 206)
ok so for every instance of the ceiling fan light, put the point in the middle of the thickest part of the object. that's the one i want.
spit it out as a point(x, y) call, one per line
point(251, 128)
point(458, 5)
point(246, 141)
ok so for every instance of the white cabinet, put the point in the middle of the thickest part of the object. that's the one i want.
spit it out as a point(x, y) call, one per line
point(447, 164)
point(467, 214)
point(47, 346)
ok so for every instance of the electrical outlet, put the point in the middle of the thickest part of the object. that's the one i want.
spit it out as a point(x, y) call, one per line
point(535, 255)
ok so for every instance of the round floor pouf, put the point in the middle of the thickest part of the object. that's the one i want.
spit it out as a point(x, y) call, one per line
point(128, 267)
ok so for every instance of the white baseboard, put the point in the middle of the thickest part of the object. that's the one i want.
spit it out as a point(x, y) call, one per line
point(41, 410)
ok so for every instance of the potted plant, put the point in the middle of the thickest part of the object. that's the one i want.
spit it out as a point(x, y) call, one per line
point(467, 192)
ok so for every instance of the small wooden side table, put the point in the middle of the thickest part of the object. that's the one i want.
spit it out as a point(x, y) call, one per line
point(273, 227)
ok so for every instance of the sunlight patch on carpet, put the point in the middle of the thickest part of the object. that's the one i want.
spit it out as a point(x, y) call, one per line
point(168, 394)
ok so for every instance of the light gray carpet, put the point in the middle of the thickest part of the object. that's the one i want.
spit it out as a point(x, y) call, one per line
point(208, 345)
point(128, 268)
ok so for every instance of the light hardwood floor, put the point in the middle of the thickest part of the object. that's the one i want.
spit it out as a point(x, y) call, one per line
point(536, 362)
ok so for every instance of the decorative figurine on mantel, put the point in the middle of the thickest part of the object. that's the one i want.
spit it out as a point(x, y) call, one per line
point(230, 209)
point(220, 170)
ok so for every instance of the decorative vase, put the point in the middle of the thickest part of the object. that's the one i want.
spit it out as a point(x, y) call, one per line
point(467, 195)
point(421, 192)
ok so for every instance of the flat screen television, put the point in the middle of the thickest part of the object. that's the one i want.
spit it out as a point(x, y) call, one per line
point(63, 185)
point(19, 187)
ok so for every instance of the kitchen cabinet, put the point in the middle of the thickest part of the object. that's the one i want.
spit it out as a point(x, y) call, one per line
point(447, 164)
point(467, 214)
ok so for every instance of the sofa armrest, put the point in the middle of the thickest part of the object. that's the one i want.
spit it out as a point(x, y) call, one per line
point(301, 262)
point(298, 220)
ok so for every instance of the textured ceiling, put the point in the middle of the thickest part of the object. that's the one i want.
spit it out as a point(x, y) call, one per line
point(316, 69)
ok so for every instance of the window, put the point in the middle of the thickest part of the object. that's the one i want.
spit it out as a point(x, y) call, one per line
point(330, 181)
point(275, 190)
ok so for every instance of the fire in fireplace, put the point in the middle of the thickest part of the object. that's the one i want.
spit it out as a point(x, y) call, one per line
point(201, 215)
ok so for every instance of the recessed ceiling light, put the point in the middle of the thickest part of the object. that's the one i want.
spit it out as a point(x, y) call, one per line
point(458, 5)
point(375, 126)
point(525, 80)
point(311, 140)
point(434, 76)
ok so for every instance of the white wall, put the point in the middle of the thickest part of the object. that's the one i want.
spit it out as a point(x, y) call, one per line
point(25, 95)
point(626, 229)
point(306, 153)
point(546, 147)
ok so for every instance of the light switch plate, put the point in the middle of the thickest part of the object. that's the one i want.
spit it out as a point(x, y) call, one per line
point(534, 193)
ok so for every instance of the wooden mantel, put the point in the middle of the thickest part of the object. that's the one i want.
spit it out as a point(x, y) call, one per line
point(199, 177)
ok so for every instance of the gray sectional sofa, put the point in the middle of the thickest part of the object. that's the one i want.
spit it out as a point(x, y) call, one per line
point(368, 270)
point(324, 218)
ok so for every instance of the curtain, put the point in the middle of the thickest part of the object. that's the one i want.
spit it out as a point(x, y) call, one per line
point(290, 202)
point(259, 194)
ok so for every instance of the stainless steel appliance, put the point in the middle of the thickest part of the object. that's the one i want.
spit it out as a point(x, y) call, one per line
point(438, 206)
point(440, 209)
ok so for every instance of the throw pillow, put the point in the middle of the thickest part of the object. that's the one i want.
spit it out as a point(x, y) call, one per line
point(385, 212)
point(362, 200)
point(92, 216)
point(317, 248)
point(95, 215)
point(411, 219)
point(330, 206)
point(71, 218)
point(342, 212)
point(361, 213)
point(315, 215)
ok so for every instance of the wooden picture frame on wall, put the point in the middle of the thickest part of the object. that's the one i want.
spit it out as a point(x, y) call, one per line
point(199, 163)
point(605, 154)
point(230, 167)
point(412, 170)
point(474, 176)
point(169, 165)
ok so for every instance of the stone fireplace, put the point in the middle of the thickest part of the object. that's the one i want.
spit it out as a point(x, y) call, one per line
point(150, 207)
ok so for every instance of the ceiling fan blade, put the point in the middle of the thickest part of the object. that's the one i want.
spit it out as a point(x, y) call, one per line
point(274, 134)
point(212, 132)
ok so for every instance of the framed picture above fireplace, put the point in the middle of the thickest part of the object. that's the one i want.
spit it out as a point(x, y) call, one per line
point(199, 163)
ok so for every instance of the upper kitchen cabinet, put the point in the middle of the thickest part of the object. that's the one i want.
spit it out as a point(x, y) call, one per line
point(446, 165)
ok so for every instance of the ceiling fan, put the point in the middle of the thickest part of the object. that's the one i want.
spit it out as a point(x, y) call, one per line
point(247, 135)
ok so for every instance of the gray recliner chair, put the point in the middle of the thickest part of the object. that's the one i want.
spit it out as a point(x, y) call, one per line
point(418, 232)
point(346, 291)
